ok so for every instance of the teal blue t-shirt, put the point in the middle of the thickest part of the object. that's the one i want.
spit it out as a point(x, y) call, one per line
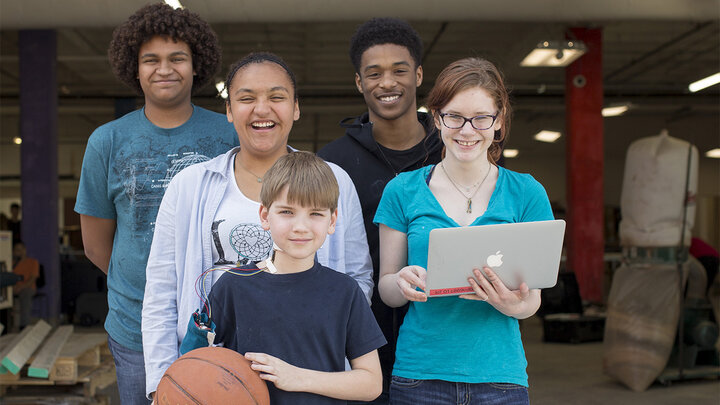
point(128, 164)
point(450, 338)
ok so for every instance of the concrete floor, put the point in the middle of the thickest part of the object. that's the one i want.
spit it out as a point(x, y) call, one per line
point(569, 374)
point(572, 374)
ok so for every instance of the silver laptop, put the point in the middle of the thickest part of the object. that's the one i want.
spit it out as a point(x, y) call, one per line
point(518, 252)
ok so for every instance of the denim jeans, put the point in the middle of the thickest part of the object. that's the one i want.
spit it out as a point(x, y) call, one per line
point(407, 391)
point(130, 370)
point(383, 399)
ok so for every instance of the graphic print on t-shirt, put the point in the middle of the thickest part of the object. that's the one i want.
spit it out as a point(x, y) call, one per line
point(218, 244)
point(144, 181)
point(240, 244)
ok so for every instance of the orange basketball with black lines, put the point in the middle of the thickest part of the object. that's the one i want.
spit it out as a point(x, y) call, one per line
point(212, 375)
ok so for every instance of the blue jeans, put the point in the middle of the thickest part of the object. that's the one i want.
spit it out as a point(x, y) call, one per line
point(130, 369)
point(407, 391)
point(383, 399)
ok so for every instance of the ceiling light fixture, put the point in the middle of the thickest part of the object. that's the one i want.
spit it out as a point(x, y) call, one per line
point(422, 109)
point(17, 140)
point(174, 4)
point(704, 83)
point(615, 110)
point(222, 91)
point(554, 53)
point(547, 136)
point(510, 153)
point(713, 153)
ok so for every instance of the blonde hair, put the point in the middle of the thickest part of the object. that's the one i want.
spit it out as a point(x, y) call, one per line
point(310, 181)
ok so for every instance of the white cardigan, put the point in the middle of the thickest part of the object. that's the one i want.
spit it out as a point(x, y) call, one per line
point(182, 249)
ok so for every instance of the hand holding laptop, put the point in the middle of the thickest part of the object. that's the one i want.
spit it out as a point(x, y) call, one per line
point(410, 277)
point(489, 287)
point(521, 252)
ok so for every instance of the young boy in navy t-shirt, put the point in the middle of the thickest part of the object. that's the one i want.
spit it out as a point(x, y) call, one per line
point(294, 319)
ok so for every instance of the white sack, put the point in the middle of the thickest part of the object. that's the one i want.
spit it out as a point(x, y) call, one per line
point(653, 192)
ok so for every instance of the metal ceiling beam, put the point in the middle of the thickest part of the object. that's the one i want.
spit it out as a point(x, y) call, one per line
point(656, 51)
point(108, 13)
point(434, 41)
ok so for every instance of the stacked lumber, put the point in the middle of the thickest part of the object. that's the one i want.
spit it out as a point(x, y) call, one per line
point(13, 357)
point(48, 354)
point(36, 356)
point(83, 350)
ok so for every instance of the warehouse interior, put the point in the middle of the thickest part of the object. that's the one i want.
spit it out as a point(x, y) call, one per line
point(650, 55)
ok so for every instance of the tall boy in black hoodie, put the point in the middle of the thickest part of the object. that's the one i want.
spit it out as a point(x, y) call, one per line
point(390, 138)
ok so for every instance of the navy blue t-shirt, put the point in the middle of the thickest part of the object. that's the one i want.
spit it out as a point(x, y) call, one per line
point(312, 319)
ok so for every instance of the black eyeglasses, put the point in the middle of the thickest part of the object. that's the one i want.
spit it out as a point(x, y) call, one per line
point(479, 122)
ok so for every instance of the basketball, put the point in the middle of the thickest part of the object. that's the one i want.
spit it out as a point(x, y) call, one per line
point(212, 375)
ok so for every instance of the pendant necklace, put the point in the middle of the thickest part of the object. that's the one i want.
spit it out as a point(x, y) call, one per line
point(387, 161)
point(259, 179)
point(469, 199)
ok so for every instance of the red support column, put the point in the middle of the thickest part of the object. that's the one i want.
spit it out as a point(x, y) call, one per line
point(584, 126)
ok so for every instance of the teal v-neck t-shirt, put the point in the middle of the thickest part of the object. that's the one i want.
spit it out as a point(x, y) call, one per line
point(450, 338)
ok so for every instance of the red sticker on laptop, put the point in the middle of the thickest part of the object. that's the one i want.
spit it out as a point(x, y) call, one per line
point(449, 291)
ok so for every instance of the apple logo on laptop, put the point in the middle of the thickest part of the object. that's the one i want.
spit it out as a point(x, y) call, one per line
point(495, 260)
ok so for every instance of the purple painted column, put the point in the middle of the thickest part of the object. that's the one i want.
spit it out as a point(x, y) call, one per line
point(39, 158)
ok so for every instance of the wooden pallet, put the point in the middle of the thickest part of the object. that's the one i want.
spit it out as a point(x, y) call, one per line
point(84, 391)
point(63, 359)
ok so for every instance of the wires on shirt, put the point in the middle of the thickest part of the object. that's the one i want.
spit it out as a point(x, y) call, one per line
point(200, 283)
point(265, 265)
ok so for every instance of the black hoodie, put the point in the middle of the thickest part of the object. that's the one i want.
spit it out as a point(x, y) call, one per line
point(371, 167)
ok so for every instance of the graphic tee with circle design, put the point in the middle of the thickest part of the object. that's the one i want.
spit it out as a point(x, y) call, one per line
point(237, 235)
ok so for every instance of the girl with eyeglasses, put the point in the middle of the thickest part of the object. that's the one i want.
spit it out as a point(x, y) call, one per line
point(465, 346)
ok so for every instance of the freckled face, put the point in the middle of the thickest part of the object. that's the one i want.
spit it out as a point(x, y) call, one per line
point(468, 143)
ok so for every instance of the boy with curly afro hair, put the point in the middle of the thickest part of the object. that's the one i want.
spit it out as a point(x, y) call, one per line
point(390, 138)
point(161, 20)
point(165, 54)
